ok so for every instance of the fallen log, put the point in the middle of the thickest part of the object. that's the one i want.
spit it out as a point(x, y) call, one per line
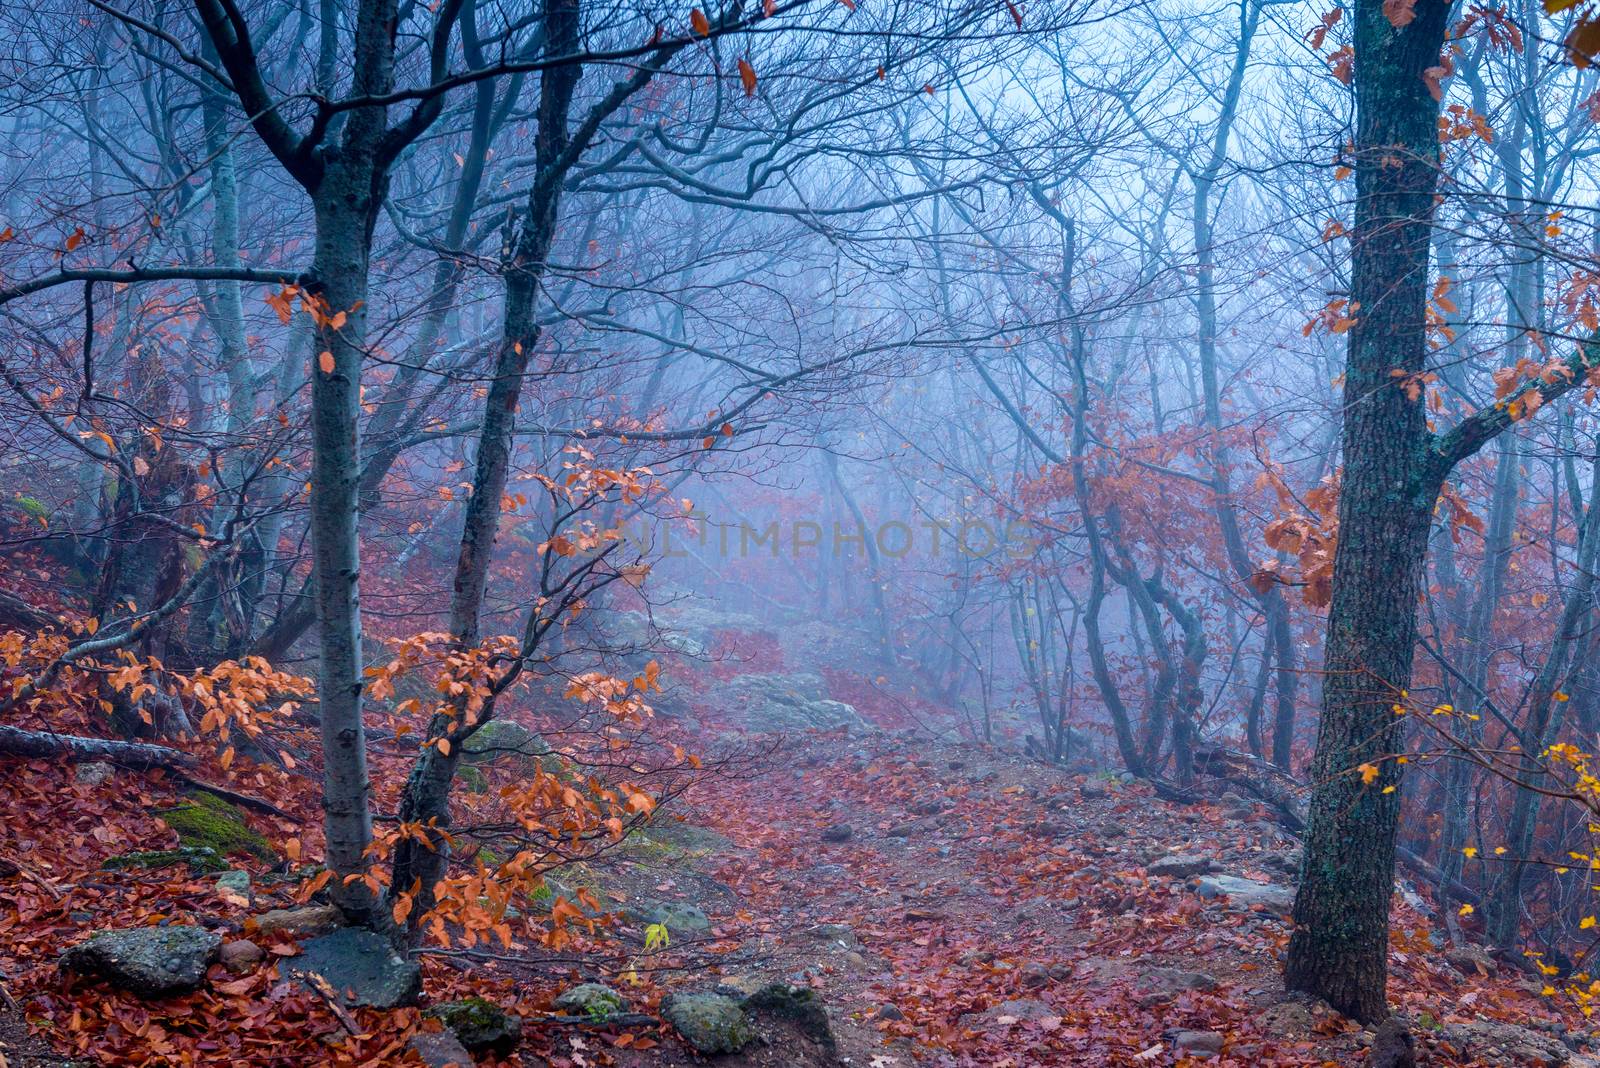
point(14, 741)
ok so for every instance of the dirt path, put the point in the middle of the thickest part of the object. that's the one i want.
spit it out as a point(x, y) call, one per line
point(983, 910)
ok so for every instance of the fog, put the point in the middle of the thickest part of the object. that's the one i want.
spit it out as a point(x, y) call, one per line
point(471, 438)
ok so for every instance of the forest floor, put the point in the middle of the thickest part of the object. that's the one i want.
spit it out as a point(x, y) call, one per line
point(950, 903)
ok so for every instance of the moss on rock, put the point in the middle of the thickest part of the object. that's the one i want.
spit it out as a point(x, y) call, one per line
point(199, 859)
point(206, 821)
point(480, 1025)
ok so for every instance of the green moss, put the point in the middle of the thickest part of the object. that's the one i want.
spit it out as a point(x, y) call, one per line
point(472, 779)
point(206, 821)
point(199, 859)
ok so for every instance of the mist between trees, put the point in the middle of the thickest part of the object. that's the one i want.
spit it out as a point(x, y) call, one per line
point(1196, 397)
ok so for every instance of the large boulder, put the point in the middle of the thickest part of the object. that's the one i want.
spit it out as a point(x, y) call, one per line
point(711, 1023)
point(783, 703)
point(359, 967)
point(151, 962)
point(1504, 1045)
point(482, 1026)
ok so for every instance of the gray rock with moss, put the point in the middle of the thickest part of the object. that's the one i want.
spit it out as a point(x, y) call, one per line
point(596, 1001)
point(199, 859)
point(206, 821)
point(799, 1005)
point(361, 967)
point(151, 962)
point(480, 1025)
point(711, 1023)
point(678, 917)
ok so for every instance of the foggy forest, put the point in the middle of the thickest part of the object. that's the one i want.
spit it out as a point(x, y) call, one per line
point(793, 533)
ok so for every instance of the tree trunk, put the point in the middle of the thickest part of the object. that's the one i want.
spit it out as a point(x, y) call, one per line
point(1339, 947)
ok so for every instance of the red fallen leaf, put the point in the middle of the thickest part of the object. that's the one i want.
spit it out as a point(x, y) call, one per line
point(237, 988)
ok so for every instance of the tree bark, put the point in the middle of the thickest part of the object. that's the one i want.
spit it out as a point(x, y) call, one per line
point(1339, 947)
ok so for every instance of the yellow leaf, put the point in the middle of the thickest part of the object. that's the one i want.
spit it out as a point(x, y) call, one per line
point(1369, 773)
point(1469, 852)
point(1466, 910)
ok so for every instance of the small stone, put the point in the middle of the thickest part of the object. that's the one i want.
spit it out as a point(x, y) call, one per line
point(889, 1012)
point(1006, 1014)
point(480, 1025)
point(838, 832)
point(678, 917)
point(1034, 975)
point(835, 934)
point(234, 883)
point(1288, 1019)
point(150, 962)
point(240, 955)
point(1094, 790)
point(298, 923)
point(1469, 959)
point(594, 1000)
point(441, 1050)
point(1201, 1043)
point(1180, 865)
point(711, 1023)
point(93, 774)
point(1246, 893)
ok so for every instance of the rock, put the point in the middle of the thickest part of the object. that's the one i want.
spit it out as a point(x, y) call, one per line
point(784, 703)
point(1469, 959)
point(711, 1023)
point(1174, 980)
point(1180, 866)
point(1200, 1043)
point(151, 962)
point(1005, 1014)
point(1034, 975)
point(1094, 790)
point(889, 1012)
point(838, 832)
point(206, 821)
point(235, 883)
point(1392, 1046)
point(799, 1005)
point(594, 1000)
point(441, 1050)
point(914, 828)
point(93, 774)
point(361, 967)
point(240, 955)
point(298, 923)
point(1288, 1020)
point(678, 917)
point(199, 860)
point(502, 738)
point(480, 1025)
point(1502, 1045)
point(1246, 893)
point(839, 935)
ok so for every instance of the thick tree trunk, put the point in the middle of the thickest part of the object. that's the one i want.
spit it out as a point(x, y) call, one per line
point(1339, 947)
